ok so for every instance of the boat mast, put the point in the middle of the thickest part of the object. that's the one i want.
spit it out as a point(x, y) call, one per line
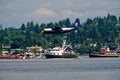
point(63, 46)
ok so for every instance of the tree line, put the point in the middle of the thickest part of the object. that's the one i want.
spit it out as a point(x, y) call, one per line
point(94, 34)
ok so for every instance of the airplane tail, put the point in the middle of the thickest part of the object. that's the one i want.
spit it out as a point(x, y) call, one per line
point(77, 24)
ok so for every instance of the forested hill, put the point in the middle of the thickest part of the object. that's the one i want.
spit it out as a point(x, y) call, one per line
point(94, 34)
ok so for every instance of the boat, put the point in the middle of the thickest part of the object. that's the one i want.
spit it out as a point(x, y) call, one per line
point(60, 52)
point(104, 53)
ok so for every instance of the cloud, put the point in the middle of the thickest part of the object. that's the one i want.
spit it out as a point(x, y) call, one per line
point(14, 12)
point(105, 3)
point(47, 4)
point(44, 12)
point(88, 4)
point(7, 6)
point(40, 13)
point(66, 3)
point(71, 13)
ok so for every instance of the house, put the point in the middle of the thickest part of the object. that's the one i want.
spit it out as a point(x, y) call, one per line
point(34, 49)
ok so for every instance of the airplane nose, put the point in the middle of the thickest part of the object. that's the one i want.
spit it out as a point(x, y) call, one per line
point(42, 32)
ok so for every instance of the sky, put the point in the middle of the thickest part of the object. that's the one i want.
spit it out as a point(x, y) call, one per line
point(13, 13)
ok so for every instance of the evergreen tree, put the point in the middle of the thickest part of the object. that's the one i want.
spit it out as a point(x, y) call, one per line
point(23, 27)
point(37, 29)
point(67, 22)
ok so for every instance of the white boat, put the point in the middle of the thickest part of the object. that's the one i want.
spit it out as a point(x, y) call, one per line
point(60, 52)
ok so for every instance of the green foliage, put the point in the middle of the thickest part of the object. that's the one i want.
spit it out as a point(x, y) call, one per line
point(17, 52)
point(98, 31)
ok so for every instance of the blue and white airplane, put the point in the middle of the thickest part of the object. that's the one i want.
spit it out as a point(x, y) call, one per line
point(59, 30)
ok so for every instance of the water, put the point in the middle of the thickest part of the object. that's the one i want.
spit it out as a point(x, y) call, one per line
point(61, 69)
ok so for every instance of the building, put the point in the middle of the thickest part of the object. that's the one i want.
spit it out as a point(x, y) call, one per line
point(5, 49)
point(34, 49)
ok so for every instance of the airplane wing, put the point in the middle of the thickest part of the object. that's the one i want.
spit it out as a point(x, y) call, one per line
point(57, 29)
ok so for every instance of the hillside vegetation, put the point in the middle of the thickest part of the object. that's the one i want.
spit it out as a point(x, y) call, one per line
point(93, 35)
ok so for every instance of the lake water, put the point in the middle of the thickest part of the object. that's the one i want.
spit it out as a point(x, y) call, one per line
point(61, 69)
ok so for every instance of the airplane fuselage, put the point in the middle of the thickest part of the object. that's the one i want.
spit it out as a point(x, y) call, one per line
point(62, 30)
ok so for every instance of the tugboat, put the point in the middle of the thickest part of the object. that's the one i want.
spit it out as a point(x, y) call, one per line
point(104, 53)
point(60, 52)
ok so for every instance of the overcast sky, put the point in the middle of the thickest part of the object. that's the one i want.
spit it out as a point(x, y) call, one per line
point(16, 12)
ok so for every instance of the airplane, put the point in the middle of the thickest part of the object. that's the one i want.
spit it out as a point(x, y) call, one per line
point(59, 30)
